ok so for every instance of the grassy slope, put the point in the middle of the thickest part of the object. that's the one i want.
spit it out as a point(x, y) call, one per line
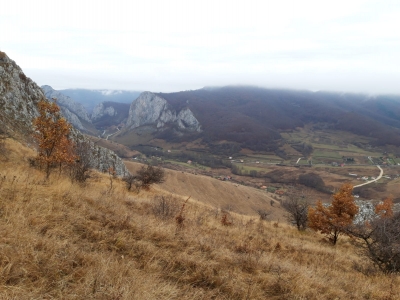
point(66, 241)
point(216, 193)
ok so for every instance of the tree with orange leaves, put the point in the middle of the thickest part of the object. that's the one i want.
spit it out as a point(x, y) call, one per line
point(335, 218)
point(385, 208)
point(52, 135)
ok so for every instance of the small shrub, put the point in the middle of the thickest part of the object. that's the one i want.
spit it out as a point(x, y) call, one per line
point(180, 218)
point(80, 168)
point(263, 214)
point(225, 219)
point(22, 76)
point(111, 175)
point(165, 207)
point(381, 241)
point(34, 163)
point(129, 181)
point(149, 175)
point(3, 149)
point(278, 246)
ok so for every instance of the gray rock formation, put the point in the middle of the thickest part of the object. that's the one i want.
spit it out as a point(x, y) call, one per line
point(151, 109)
point(72, 118)
point(19, 97)
point(186, 120)
point(101, 110)
point(108, 114)
point(74, 112)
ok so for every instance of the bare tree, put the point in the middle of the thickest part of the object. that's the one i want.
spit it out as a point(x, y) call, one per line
point(381, 241)
point(130, 181)
point(165, 207)
point(81, 166)
point(296, 206)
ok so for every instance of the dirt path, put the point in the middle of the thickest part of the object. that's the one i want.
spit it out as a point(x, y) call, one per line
point(376, 179)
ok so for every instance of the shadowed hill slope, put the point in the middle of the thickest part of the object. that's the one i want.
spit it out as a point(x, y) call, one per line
point(245, 114)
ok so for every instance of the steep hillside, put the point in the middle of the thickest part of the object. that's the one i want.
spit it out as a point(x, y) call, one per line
point(216, 193)
point(67, 241)
point(74, 112)
point(19, 97)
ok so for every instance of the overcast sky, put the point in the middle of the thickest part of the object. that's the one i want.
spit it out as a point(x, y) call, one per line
point(180, 45)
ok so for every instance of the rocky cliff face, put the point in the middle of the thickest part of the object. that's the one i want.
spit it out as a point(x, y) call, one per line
point(74, 112)
point(151, 109)
point(109, 113)
point(101, 110)
point(19, 97)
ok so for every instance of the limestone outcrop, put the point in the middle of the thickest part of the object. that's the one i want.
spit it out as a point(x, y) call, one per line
point(102, 110)
point(19, 96)
point(151, 109)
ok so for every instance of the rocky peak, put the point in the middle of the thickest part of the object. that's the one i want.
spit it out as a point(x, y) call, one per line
point(102, 110)
point(110, 113)
point(151, 109)
point(19, 97)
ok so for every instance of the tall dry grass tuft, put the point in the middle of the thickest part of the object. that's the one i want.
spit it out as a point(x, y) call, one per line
point(180, 218)
point(62, 240)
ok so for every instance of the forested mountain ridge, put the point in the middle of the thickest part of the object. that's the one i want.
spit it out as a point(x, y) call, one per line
point(244, 114)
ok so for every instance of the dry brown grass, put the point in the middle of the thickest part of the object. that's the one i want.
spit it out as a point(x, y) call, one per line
point(67, 241)
point(215, 193)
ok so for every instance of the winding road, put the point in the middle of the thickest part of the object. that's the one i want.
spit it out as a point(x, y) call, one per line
point(376, 179)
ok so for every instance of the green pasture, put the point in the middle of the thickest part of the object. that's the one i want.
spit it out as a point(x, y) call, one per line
point(326, 154)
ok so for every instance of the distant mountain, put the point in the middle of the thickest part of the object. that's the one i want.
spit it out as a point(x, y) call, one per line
point(254, 117)
point(109, 113)
point(90, 98)
point(74, 112)
point(104, 115)
point(150, 109)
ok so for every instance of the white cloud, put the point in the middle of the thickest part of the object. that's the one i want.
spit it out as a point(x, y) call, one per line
point(176, 45)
